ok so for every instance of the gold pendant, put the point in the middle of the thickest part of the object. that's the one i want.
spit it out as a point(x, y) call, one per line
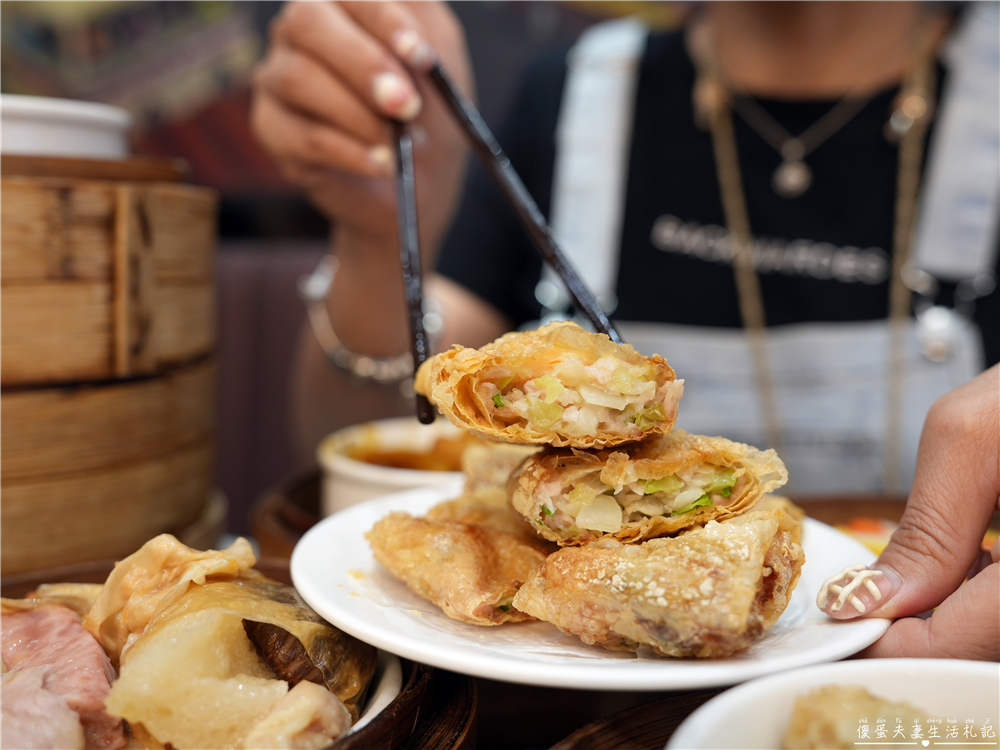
point(791, 179)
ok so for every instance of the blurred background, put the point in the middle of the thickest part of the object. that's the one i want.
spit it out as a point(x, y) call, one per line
point(183, 70)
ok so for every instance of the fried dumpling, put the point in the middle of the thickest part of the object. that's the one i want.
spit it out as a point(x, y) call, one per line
point(471, 572)
point(558, 385)
point(780, 502)
point(709, 592)
point(489, 508)
point(487, 465)
point(642, 490)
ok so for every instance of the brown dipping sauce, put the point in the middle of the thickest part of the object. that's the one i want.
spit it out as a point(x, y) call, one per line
point(445, 455)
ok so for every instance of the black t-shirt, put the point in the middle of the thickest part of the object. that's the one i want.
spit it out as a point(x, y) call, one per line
point(824, 256)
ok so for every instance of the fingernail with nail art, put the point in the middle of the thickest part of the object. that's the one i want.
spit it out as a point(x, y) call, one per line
point(396, 96)
point(409, 47)
point(853, 591)
point(381, 157)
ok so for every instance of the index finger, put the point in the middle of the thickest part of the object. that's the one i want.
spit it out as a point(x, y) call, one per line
point(396, 28)
point(336, 38)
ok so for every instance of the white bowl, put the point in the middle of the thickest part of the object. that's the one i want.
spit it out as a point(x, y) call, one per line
point(756, 713)
point(347, 481)
point(41, 126)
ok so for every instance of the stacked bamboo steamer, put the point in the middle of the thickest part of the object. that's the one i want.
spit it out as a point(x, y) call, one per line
point(107, 374)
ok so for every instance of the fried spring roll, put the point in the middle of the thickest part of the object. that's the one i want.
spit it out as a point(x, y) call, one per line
point(488, 465)
point(644, 490)
point(558, 385)
point(469, 571)
point(709, 592)
point(489, 508)
point(780, 502)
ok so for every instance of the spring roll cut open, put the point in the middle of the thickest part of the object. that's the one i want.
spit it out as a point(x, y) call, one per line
point(644, 490)
point(558, 385)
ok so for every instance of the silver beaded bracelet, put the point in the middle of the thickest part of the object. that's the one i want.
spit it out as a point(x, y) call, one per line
point(313, 290)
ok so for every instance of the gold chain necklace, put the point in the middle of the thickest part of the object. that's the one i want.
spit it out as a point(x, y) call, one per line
point(713, 110)
point(793, 176)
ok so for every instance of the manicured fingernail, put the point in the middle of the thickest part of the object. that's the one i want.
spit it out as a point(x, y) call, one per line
point(381, 157)
point(411, 49)
point(396, 96)
point(853, 592)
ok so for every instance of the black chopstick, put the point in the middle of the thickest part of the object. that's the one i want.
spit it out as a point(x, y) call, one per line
point(409, 257)
point(500, 169)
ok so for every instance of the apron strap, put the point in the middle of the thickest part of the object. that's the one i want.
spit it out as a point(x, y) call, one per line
point(593, 137)
point(956, 232)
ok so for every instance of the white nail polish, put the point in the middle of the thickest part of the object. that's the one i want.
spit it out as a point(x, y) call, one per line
point(410, 107)
point(381, 157)
point(842, 589)
point(409, 47)
point(388, 89)
point(395, 96)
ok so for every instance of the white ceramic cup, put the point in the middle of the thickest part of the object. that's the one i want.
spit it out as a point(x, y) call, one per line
point(42, 126)
point(347, 481)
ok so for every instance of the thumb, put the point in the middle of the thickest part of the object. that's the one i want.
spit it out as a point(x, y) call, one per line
point(953, 497)
point(965, 626)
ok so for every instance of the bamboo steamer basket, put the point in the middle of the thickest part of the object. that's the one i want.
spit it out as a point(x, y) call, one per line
point(107, 374)
point(102, 278)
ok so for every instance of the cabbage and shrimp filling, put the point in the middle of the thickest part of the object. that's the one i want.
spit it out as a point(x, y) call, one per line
point(570, 505)
point(576, 399)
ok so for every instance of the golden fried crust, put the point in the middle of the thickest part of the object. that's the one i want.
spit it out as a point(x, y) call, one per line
point(560, 469)
point(471, 572)
point(709, 592)
point(488, 464)
point(489, 508)
point(780, 502)
point(450, 381)
point(784, 559)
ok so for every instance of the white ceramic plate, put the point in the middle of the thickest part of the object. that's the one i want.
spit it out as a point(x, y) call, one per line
point(334, 570)
point(756, 714)
point(386, 684)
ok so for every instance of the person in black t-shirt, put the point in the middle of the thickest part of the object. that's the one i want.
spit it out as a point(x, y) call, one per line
point(823, 255)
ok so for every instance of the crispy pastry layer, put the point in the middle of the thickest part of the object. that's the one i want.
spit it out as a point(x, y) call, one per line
point(558, 385)
point(488, 464)
point(709, 592)
point(489, 508)
point(780, 502)
point(470, 571)
point(643, 490)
